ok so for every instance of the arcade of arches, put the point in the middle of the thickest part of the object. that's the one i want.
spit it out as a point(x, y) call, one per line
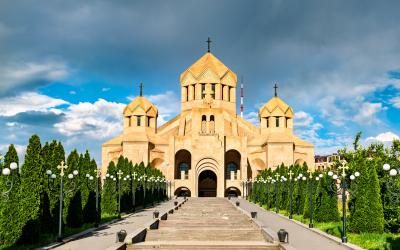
point(208, 149)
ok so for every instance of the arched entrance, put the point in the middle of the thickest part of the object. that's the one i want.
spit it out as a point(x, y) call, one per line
point(207, 184)
point(232, 192)
point(182, 192)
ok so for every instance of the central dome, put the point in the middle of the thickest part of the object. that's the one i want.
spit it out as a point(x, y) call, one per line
point(208, 69)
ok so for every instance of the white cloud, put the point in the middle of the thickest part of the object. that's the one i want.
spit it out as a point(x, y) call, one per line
point(14, 76)
point(98, 120)
point(72, 92)
point(28, 101)
point(395, 102)
point(367, 113)
point(384, 137)
point(252, 117)
point(105, 89)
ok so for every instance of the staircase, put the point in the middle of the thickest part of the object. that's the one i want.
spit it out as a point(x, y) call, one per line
point(206, 223)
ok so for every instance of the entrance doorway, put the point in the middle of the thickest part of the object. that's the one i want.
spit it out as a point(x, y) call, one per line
point(207, 184)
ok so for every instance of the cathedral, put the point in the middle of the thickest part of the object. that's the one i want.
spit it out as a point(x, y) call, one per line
point(208, 149)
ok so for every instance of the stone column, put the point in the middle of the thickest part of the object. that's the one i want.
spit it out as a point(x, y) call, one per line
point(184, 94)
point(191, 92)
point(218, 91)
point(232, 96)
point(198, 91)
point(225, 93)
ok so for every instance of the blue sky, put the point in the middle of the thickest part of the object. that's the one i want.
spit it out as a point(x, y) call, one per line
point(67, 68)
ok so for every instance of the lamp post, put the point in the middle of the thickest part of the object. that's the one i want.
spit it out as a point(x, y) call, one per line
point(134, 186)
point(119, 173)
point(89, 177)
point(276, 181)
point(8, 183)
point(290, 194)
point(269, 179)
point(62, 167)
point(340, 178)
point(310, 196)
point(144, 179)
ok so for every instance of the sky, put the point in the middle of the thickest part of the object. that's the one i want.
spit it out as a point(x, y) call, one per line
point(68, 68)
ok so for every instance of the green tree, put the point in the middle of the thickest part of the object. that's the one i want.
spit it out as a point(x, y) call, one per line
point(366, 201)
point(109, 192)
point(326, 201)
point(73, 205)
point(89, 211)
point(31, 194)
point(9, 214)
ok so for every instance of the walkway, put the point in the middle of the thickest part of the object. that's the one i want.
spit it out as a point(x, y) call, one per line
point(105, 237)
point(300, 237)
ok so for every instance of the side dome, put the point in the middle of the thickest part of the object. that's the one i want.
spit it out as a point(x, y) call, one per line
point(276, 107)
point(140, 113)
point(141, 106)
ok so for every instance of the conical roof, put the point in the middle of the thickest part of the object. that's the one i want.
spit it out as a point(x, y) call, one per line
point(208, 62)
point(276, 107)
point(141, 106)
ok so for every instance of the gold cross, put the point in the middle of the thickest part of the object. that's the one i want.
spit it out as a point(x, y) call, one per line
point(62, 167)
point(134, 175)
point(277, 176)
point(343, 168)
point(310, 172)
point(290, 174)
point(119, 173)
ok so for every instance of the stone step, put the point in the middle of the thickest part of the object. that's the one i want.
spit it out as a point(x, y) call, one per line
point(215, 245)
point(207, 234)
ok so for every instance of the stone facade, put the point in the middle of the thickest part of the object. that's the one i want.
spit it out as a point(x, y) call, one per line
point(207, 149)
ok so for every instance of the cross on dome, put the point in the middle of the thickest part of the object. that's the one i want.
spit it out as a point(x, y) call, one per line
point(209, 44)
point(276, 89)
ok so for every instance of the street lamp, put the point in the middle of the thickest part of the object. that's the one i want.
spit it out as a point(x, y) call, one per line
point(276, 181)
point(290, 194)
point(53, 176)
point(390, 185)
point(7, 172)
point(119, 174)
point(89, 177)
point(340, 178)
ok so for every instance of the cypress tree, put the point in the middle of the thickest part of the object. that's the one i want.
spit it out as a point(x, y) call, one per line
point(109, 192)
point(326, 201)
point(85, 168)
point(366, 203)
point(8, 205)
point(73, 205)
point(31, 192)
point(89, 211)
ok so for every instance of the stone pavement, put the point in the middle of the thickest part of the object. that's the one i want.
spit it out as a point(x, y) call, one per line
point(206, 223)
point(103, 238)
point(299, 236)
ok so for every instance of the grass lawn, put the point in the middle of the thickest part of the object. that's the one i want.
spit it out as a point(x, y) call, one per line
point(373, 241)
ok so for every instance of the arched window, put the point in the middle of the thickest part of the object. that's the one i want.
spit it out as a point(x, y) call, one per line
point(203, 90)
point(212, 125)
point(231, 167)
point(183, 166)
point(267, 122)
point(213, 90)
point(277, 121)
point(232, 163)
point(138, 120)
point(203, 124)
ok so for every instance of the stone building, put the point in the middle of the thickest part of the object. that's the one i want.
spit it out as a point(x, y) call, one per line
point(207, 149)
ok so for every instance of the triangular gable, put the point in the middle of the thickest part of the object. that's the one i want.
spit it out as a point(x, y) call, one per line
point(188, 78)
point(208, 76)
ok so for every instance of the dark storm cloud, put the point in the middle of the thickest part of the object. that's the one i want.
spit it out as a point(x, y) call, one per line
point(35, 118)
point(296, 42)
